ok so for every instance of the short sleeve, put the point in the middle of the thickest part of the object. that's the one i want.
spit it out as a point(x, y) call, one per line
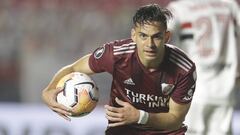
point(185, 88)
point(101, 59)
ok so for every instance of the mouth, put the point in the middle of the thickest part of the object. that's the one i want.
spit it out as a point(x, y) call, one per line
point(150, 52)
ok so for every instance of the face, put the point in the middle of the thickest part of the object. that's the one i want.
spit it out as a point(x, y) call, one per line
point(150, 39)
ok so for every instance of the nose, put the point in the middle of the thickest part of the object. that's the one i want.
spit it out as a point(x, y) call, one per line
point(150, 43)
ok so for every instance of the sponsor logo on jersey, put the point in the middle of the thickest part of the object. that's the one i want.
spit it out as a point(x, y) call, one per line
point(129, 81)
point(167, 88)
point(189, 95)
point(99, 52)
point(150, 100)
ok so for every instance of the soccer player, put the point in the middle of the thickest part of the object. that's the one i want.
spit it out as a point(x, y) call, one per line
point(207, 31)
point(153, 82)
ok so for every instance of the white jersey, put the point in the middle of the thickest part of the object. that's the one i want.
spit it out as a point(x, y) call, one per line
point(207, 32)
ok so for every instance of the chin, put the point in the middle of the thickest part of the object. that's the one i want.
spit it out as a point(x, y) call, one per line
point(150, 57)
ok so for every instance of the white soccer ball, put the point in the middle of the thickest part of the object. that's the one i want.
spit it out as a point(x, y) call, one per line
point(79, 93)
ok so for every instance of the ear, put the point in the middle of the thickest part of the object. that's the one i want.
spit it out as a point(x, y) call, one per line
point(133, 35)
point(167, 36)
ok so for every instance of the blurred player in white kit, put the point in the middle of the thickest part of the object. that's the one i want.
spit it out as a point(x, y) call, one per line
point(208, 31)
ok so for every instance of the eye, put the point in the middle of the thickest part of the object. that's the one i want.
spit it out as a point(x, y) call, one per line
point(143, 36)
point(158, 36)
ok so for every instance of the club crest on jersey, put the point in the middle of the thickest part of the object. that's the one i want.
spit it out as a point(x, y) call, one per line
point(189, 95)
point(99, 52)
point(167, 88)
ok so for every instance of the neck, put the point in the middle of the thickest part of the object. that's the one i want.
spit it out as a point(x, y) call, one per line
point(154, 63)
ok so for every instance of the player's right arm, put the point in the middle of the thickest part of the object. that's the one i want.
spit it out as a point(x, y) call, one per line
point(49, 94)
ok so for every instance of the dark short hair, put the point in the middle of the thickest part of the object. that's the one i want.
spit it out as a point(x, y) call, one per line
point(150, 13)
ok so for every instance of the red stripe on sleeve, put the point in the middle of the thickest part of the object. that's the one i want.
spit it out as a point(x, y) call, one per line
point(186, 25)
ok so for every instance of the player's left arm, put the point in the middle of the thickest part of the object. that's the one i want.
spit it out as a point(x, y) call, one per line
point(179, 104)
point(169, 121)
point(128, 114)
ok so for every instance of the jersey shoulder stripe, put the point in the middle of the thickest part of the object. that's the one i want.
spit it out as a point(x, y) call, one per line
point(180, 59)
point(124, 48)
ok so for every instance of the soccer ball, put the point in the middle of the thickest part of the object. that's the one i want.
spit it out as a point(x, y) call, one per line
point(79, 93)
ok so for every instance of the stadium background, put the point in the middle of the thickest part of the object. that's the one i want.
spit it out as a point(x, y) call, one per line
point(37, 37)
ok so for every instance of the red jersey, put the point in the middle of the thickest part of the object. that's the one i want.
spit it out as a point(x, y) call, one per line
point(150, 91)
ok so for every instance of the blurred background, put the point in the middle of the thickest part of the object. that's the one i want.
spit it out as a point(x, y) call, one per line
point(37, 38)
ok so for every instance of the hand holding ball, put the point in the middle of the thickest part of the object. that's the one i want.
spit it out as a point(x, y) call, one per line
point(79, 93)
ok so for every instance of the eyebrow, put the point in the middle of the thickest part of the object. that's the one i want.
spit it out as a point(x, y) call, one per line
point(156, 34)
